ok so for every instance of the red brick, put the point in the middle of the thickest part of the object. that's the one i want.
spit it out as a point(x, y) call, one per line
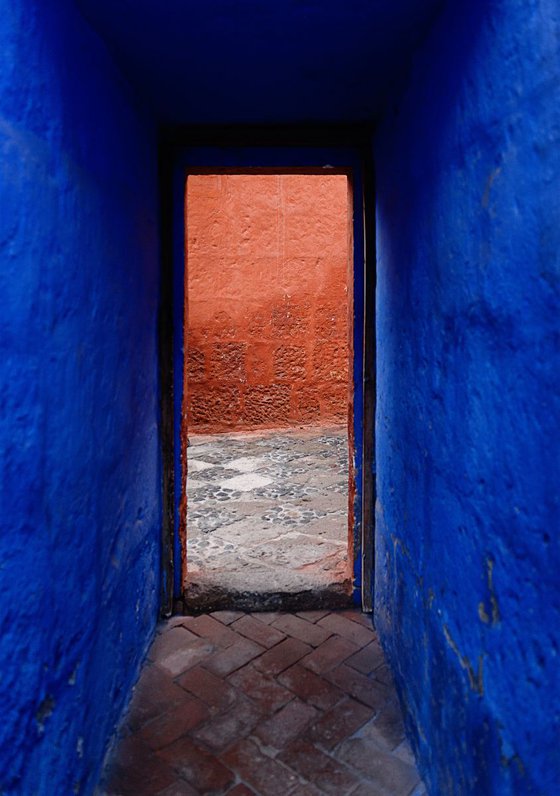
point(173, 621)
point(200, 768)
point(331, 653)
point(387, 730)
point(389, 774)
point(383, 674)
point(210, 629)
point(167, 728)
point(241, 790)
point(266, 616)
point(179, 788)
point(265, 692)
point(369, 789)
point(136, 771)
point(356, 615)
point(300, 628)
point(312, 616)
point(306, 790)
point(263, 773)
point(257, 631)
point(281, 656)
point(154, 694)
point(311, 687)
point(359, 686)
point(212, 690)
point(286, 725)
point(227, 617)
point(347, 628)
point(179, 725)
point(168, 642)
point(404, 753)
point(316, 767)
point(234, 657)
point(339, 724)
point(367, 659)
point(185, 657)
point(228, 727)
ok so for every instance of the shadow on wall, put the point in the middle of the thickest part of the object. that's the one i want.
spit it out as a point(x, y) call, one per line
point(267, 270)
point(468, 169)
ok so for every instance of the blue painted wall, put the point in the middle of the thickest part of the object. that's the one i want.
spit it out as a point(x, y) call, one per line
point(468, 168)
point(80, 471)
point(468, 162)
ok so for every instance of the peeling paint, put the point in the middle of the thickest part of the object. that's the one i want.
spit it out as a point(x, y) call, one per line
point(491, 615)
point(476, 679)
point(44, 712)
point(488, 188)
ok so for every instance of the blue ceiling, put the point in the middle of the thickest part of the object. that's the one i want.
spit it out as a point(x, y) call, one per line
point(262, 61)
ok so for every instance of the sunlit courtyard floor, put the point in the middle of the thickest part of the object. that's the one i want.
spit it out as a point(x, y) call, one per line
point(267, 519)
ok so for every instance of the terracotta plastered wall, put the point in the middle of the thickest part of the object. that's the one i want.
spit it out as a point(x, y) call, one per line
point(267, 292)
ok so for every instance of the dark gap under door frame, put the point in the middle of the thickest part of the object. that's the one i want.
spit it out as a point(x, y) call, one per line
point(246, 150)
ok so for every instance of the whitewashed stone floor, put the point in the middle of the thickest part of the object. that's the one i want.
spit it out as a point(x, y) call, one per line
point(267, 520)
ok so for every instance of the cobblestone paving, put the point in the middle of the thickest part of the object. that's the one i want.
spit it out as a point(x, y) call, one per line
point(263, 704)
point(266, 515)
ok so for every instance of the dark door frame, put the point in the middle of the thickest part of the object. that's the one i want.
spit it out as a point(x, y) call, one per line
point(309, 149)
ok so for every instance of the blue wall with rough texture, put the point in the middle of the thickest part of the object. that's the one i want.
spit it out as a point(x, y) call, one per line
point(80, 471)
point(468, 169)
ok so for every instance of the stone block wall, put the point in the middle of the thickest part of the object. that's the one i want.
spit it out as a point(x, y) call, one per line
point(267, 306)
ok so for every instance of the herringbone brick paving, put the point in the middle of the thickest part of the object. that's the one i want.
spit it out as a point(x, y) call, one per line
point(263, 704)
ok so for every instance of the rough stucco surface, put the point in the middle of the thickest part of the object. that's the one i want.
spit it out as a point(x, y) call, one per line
point(468, 164)
point(80, 500)
point(267, 312)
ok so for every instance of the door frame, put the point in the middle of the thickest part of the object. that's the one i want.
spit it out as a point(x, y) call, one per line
point(196, 152)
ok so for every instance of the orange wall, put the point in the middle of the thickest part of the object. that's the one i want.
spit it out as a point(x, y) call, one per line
point(267, 300)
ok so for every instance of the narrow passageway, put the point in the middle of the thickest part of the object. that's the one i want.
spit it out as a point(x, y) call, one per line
point(264, 704)
point(223, 217)
point(268, 519)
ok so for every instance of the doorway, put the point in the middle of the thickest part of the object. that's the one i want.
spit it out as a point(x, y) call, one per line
point(268, 342)
point(272, 162)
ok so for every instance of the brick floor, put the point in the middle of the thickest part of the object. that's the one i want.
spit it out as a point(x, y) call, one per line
point(263, 705)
